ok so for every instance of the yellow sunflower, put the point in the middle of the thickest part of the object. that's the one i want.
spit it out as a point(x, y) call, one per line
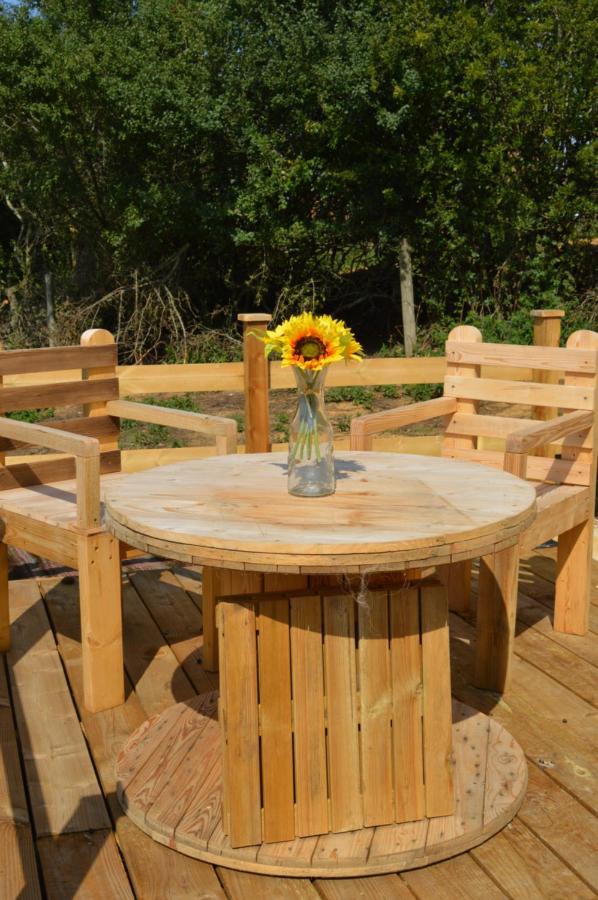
point(312, 342)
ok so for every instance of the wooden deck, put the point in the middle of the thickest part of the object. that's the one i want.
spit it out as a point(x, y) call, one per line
point(63, 835)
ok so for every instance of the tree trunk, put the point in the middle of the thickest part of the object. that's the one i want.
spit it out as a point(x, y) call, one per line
point(407, 301)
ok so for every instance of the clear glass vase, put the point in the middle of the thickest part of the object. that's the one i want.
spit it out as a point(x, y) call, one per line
point(311, 447)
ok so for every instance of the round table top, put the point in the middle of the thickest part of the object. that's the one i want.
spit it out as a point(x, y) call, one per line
point(390, 511)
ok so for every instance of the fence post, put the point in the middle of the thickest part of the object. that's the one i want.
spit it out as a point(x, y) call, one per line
point(255, 376)
point(547, 333)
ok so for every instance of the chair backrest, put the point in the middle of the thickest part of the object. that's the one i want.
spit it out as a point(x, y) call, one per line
point(469, 362)
point(94, 363)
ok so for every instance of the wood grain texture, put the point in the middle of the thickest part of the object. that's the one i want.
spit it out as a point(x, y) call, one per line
point(311, 790)
point(406, 661)
point(67, 393)
point(436, 706)
point(101, 621)
point(496, 613)
point(276, 720)
point(55, 359)
point(346, 808)
point(240, 721)
point(376, 709)
point(4, 600)
point(213, 511)
point(365, 851)
point(544, 358)
point(83, 865)
point(63, 789)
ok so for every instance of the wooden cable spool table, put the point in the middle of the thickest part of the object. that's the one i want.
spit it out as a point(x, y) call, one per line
point(332, 748)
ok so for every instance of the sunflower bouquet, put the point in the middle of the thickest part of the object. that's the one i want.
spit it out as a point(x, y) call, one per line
point(310, 344)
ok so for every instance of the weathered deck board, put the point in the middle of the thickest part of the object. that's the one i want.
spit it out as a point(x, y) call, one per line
point(549, 721)
point(179, 620)
point(526, 868)
point(459, 878)
point(63, 789)
point(18, 872)
point(155, 871)
point(549, 850)
point(86, 865)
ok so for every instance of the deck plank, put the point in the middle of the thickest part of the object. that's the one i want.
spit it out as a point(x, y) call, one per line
point(548, 851)
point(156, 872)
point(84, 865)
point(460, 878)
point(243, 885)
point(18, 872)
point(549, 721)
point(563, 824)
point(379, 887)
point(526, 868)
point(149, 661)
point(179, 621)
point(63, 789)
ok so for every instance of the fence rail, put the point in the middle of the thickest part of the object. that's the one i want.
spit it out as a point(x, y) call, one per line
point(255, 377)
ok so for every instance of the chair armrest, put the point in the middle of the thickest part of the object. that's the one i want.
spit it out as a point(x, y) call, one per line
point(519, 443)
point(532, 436)
point(363, 427)
point(223, 429)
point(86, 451)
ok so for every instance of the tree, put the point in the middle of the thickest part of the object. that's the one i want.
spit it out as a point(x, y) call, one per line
point(245, 153)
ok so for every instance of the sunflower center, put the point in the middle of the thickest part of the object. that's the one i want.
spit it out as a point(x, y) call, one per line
point(310, 347)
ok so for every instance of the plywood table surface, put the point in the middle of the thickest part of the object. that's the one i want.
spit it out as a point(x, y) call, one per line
point(390, 510)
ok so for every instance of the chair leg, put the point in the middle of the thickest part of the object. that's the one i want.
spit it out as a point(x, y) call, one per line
point(100, 592)
point(4, 609)
point(497, 610)
point(573, 568)
point(458, 583)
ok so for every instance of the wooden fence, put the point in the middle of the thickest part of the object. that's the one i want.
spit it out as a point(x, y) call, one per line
point(255, 378)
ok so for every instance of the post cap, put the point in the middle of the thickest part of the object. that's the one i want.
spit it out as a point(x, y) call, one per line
point(254, 317)
point(547, 313)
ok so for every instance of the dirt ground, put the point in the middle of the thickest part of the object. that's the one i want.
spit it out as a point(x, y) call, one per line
point(282, 406)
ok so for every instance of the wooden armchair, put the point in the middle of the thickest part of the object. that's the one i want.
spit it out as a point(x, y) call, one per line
point(53, 509)
point(565, 484)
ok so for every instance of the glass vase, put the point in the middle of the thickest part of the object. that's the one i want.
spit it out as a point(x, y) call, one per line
point(311, 447)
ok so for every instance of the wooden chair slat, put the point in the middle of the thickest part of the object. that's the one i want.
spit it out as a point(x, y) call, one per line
point(520, 392)
point(561, 471)
point(67, 393)
point(502, 426)
point(52, 470)
point(513, 355)
point(104, 428)
point(56, 359)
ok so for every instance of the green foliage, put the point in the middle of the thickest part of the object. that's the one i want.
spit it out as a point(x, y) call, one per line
point(360, 395)
point(343, 424)
point(420, 392)
point(281, 425)
point(240, 420)
point(138, 435)
point(31, 415)
point(184, 402)
point(390, 391)
point(245, 153)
